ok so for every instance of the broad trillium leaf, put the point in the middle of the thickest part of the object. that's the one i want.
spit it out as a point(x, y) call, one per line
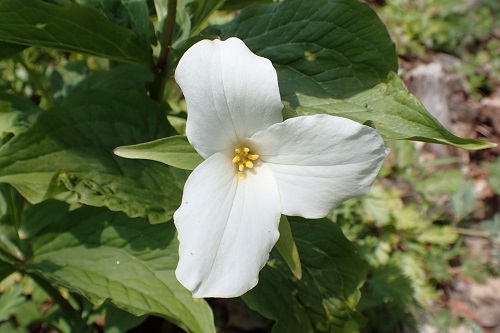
point(37, 23)
point(71, 148)
point(107, 256)
point(256, 166)
point(330, 61)
point(325, 299)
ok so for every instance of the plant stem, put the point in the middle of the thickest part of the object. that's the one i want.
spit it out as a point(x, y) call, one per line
point(161, 70)
point(472, 233)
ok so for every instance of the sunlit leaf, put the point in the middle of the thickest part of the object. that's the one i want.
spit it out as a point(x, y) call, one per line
point(108, 257)
point(72, 145)
point(330, 61)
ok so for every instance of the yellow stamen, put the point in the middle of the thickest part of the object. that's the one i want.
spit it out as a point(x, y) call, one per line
point(243, 159)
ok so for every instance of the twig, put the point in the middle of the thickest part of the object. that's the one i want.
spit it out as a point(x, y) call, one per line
point(161, 72)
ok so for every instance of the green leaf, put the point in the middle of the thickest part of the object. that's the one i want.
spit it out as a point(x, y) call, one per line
point(202, 10)
point(9, 300)
point(7, 50)
point(494, 175)
point(464, 202)
point(139, 15)
point(74, 144)
point(396, 113)
point(239, 4)
point(175, 151)
point(445, 182)
point(330, 61)
point(320, 48)
point(440, 235)
point(6, 270)
point(287, 248)
point(106, 256)
point(191, 16)
point(17, 113)
point(70, 28)
point(122, 78)
point(118, 321)
point(324, 300)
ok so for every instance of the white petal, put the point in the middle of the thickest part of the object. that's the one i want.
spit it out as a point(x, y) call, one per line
point(227, 227)
point(319, 161)
point(230, 92)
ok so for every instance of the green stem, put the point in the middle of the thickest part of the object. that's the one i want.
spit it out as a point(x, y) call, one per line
point(161, 70)
point(15, 205)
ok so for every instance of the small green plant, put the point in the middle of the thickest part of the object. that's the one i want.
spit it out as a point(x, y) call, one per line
point(408, 232)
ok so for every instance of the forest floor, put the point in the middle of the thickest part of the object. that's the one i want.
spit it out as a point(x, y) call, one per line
point(447, 96)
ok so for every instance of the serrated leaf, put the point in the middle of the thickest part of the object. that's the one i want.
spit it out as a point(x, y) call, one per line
point(464, 201)
point(330, 61)
point(175, 151)
point(440, 235)
point(69, 28)
point(9, 300)
point(324, 300)
point(444, 182)
point(74, 143)
point(287, 248)
point(379, 204)
point(108, 257)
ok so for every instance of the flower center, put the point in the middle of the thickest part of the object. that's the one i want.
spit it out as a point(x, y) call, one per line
point(243, 159)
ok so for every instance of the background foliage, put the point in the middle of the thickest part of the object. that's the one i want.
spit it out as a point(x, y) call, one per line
point(86, 238)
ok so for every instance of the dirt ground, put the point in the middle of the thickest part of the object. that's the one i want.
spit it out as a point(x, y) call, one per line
point(447, 96)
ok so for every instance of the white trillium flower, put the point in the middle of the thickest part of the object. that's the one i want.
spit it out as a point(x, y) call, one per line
point(256, 167)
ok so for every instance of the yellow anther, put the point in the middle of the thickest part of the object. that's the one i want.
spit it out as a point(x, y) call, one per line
point(243, 159)
point(252, 157)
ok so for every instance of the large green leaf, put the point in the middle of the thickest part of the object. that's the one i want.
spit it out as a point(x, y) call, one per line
point(70, 28)
point(132, 14)
point(324, 300)
point(108, 257)
point(74, 144)
point(8, 49)
point(395, 113)
point(125, 77)
point(322, 48)
point(336, 56)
